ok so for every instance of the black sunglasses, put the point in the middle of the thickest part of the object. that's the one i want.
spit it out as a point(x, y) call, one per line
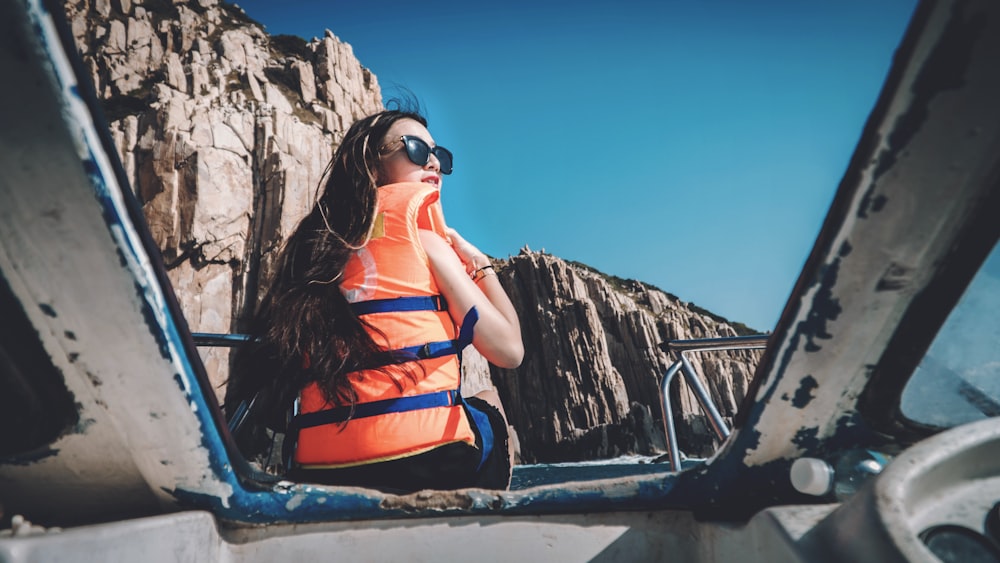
point(419, 152)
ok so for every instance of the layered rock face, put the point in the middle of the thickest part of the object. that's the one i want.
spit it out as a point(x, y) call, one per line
point(224, 133)
point(589, 384)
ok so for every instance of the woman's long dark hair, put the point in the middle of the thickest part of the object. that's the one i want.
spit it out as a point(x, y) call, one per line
point(304, 329)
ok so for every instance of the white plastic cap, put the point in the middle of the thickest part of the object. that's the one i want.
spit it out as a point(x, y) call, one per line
point(811, 476)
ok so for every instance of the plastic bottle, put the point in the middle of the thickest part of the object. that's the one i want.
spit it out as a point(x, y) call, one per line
point(816, 477)
point(853, 468)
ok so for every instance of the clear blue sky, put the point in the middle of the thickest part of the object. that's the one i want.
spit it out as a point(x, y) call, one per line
point(694, 145)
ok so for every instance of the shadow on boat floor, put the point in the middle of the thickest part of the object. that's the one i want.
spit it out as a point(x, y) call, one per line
point(526, 476)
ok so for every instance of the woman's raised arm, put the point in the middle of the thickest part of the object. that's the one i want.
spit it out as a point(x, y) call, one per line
point(497, 335)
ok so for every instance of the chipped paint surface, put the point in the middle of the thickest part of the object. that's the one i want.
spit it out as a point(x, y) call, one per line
point(860, 289)
point(804, 394)
point(99, 233)
point(918, 176)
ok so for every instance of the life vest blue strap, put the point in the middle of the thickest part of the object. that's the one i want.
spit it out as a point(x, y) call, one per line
point(400, 304)
point(401, 404)
point(427, 351)
point(443, 347)
point(375, 408)
point(485, 429)
point(468, 323)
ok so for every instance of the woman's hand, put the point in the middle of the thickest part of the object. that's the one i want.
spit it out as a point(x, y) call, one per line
point(497, 334)
point(471, 256)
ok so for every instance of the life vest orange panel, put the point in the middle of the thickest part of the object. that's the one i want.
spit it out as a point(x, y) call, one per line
point(392, 265)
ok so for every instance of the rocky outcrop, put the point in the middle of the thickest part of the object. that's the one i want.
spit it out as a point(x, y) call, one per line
point(224, 132)
point(589, 383)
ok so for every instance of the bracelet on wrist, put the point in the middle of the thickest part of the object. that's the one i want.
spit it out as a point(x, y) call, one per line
point(480, 259)
point(483, 272)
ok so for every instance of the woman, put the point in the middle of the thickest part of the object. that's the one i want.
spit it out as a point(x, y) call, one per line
point(374, 298)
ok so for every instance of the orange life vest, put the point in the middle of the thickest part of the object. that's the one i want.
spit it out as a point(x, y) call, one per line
point(390, 285)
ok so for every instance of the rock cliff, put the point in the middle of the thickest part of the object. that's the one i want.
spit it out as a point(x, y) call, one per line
point(589, 384)
point(224, 132)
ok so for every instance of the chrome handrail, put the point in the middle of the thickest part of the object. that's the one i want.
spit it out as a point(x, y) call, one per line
point(220, 340)
point(224, 340)
point(755, 342)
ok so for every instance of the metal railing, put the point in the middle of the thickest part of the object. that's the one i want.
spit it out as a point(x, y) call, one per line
point(756, 342)
point(223, 340)
point(682, 365)
point(213, 339)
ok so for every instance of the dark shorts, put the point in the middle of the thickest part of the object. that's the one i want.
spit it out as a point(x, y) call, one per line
point(451, 466)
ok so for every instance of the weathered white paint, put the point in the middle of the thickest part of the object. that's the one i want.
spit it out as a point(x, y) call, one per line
point(938, 178)
point(138, 438)
point(616, 536)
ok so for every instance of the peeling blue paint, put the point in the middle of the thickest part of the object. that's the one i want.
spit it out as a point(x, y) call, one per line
point(845, 249)
point(108, 209)
point(825, 307)
point(804, 394)
point(152, 323)
point(807, 439)
point(121, 258)
point(943, 70)
point(878, 202)
point(871, 202)
point(181, 383)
